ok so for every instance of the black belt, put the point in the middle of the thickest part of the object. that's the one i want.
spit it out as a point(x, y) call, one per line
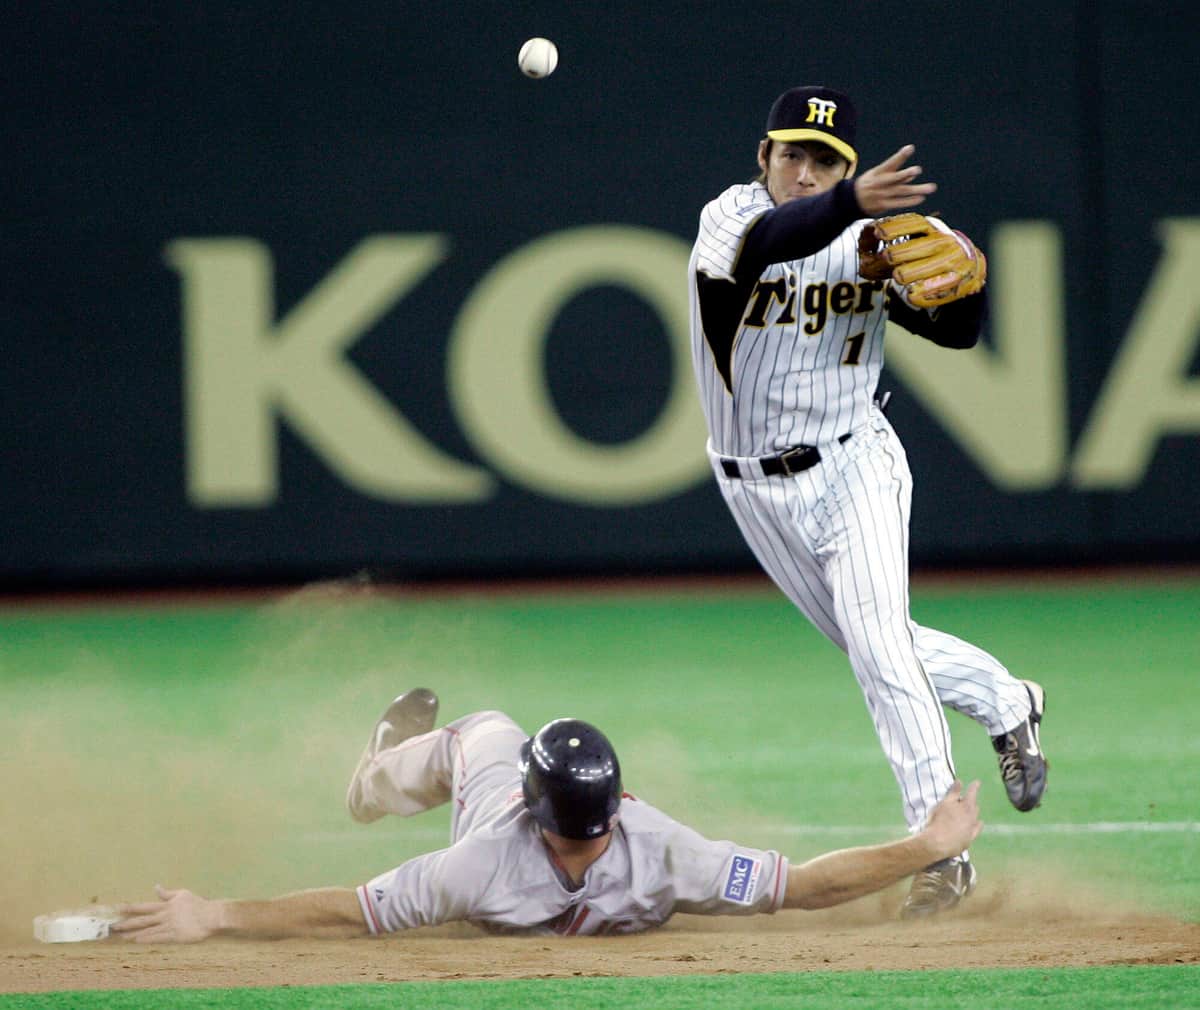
point(789, 463)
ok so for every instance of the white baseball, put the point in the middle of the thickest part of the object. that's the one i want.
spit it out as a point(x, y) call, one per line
point(538, 58)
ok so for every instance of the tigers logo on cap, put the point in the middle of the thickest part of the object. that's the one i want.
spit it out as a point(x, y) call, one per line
point(821, 110)
point(815, 113)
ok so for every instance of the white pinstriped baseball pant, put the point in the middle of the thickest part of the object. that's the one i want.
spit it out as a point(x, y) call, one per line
point(834, 538)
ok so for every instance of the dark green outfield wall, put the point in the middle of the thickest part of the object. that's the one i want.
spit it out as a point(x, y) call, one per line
point(298, 290)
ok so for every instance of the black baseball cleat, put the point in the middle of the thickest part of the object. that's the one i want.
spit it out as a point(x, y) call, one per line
point(939, 887)
point(412, 714)
point(1022, 763)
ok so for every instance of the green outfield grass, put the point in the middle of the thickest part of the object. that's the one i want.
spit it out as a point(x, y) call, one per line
point(162, 727)
point(1122, 988)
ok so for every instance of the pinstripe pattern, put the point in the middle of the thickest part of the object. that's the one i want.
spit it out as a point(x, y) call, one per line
point(834, 538)
point(790, 387)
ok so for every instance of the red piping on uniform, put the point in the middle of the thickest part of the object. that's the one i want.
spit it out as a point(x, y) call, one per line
point(374, 923)
point(778, 880)
point(462, 757)
point(574, 928)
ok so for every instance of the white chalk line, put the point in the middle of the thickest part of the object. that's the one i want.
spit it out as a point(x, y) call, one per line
point(1091, 828)
point(412, 833)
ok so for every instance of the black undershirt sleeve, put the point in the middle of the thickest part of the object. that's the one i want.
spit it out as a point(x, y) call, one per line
point(790, 231)
point(797, 229)
point(956, 324)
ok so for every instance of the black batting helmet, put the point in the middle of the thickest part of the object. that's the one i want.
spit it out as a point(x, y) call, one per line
point(571, 779)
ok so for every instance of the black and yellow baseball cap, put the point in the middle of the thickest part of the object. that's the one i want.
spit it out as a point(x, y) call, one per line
point(815, 113)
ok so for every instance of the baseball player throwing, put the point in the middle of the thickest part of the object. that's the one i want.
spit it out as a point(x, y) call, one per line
point(792, 283)
point(544, 841)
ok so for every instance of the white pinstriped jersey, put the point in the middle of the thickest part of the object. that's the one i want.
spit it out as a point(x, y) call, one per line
point(807, 342)
point(499, 876)
point(790, 358)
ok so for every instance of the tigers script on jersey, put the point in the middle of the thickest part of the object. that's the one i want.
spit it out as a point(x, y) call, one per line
point(794, 361)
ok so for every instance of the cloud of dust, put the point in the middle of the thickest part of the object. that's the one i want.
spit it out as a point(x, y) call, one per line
point(112, 783)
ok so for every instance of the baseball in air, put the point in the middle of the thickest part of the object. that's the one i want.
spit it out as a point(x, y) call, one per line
point(538, 58)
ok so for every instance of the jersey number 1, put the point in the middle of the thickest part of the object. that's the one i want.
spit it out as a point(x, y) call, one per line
point(854, 351)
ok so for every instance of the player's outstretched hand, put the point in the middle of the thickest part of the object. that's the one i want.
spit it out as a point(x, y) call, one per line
point(891, 185)
point(954, 823)
point(178, 917)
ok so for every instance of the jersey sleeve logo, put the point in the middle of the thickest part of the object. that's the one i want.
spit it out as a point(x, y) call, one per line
point(742, 879)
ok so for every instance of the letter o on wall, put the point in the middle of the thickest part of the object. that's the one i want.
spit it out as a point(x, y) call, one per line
point(497, 374)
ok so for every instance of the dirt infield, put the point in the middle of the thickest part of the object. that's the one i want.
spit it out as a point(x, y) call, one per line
point(1001, 927)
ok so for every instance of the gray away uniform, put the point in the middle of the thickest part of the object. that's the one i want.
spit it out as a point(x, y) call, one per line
point(498, 872)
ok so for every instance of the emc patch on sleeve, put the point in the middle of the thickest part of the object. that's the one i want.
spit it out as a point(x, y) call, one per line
point(742, 880)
